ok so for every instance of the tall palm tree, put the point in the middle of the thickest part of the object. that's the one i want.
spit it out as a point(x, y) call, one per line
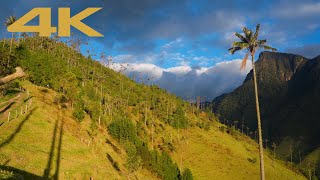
point(250, 43)
point(9, 21)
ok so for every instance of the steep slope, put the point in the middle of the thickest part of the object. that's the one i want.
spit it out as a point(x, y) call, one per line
point(86, 120)
point(289, 96)
point(46, 142)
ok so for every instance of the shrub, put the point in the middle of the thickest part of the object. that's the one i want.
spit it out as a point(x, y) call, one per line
point(187, 175)
point(133, 160)
point(79, 114)
point(123, 129)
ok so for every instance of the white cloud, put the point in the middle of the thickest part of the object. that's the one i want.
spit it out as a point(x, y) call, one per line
point(179, 70)
point(147, 70)
point(175, 43)
point(186, 81)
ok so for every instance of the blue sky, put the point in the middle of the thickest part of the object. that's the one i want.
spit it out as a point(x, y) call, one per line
point(186, 41)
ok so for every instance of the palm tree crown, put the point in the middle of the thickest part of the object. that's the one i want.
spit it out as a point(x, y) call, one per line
point(249, 42)
point(10, 20)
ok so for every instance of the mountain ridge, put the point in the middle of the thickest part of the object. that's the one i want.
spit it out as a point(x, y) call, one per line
point(289, 95)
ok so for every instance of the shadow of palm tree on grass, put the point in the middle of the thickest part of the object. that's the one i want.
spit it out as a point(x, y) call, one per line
point(46, 174)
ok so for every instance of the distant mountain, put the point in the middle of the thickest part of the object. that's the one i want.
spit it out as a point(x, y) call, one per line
point(289, 94)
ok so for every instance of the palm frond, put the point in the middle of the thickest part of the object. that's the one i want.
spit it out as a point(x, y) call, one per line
point(243, 39)
point(248, 33)
point(244, 61)
point(242, 45)
point(256, 34)
point(268, 48)
point(10, 20)
point(262, 42)
point(234, 49)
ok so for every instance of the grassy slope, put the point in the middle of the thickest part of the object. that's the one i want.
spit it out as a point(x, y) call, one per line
point(31, 136)
point(218, 155)
point(209, 154)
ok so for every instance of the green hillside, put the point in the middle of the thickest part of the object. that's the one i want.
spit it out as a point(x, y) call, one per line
point(74, 118)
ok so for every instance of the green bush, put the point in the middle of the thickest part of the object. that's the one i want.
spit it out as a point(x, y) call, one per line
point(187, 175)
point(160, 163)
point(133, 160)
point(123, 129)
point(79, 114)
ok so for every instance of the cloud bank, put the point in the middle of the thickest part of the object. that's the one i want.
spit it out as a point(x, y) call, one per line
point(186, 81)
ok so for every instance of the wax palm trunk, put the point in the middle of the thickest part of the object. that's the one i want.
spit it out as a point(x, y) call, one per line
point(249, 41)
point(259, 119)
point(11, 42)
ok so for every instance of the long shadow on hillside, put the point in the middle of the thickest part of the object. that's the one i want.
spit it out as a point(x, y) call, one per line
point(12, 136)
point(56, 175)
point(46, 174)
point(30, 97)
point(18, 173)
point(7, 107)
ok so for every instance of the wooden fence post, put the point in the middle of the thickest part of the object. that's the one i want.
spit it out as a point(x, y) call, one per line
point(9, 116)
